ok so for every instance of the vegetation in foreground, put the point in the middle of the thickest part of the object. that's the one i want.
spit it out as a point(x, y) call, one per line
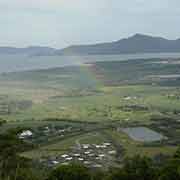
point(14, 167)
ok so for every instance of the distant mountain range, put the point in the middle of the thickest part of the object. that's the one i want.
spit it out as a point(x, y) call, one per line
point(138, 43)
point(31, 50)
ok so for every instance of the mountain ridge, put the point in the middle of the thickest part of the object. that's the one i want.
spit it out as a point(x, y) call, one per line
point(135, 44)
point(138, 43)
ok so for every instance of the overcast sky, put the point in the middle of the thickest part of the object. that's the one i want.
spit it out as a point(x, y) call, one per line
point(59, 23)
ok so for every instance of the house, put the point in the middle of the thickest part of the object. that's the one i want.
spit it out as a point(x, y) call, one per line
point(55, 162)
point(87, 162)
point(101, 155)
point(107, 144)
point(64, 156)
point(69, 158)
point(61, 130)
point(87, 152)
point(97, 166)
point(91, 155)
point(86, 146)
point(112, 152)
point(80, 159)
point(46, 130)
point(127, 98)
point(25, 134)
point(76, 155)
point(103, 146)
point(97, 146)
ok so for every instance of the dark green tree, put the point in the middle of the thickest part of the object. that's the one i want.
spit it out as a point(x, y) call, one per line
point(71, 172)
point(119, 174)
point(140, 168)
point(177, 154)
point(171, 171)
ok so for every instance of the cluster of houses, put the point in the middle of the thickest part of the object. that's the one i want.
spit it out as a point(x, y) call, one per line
point(45, 131)
point(91, 155)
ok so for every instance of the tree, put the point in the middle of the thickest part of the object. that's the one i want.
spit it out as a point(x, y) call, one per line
point(24, 174)
point(140, 168)
point(171, 171)
point(177, 154)
point(71, 172)
point(2, 122)
point(119, 174)
point(98, 175)
point(10, 161)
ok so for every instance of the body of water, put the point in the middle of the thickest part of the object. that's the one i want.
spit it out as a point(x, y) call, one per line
point(143, 134)
point(11, 63)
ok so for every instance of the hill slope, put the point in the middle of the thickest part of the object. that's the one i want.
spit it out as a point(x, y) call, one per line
point(31, 50)
point(135, 44)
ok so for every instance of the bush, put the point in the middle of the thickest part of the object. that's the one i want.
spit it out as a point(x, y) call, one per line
point(71, 172)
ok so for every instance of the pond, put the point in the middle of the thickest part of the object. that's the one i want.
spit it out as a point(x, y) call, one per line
point(143, 134)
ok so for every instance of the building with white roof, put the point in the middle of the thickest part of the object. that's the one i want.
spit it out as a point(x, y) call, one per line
point(77, 155)
point(25, 134)
point(80, 159)
point(64, 155)
point(55, 162)
point(69, 158)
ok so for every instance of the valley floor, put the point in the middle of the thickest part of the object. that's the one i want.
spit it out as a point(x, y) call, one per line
point(68, 108)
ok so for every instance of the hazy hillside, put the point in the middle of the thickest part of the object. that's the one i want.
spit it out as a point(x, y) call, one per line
point(31, 50)
point(135, 44)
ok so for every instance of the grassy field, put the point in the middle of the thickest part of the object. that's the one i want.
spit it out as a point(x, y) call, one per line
point(80, 93)
point(127, 93)
point(104, 106)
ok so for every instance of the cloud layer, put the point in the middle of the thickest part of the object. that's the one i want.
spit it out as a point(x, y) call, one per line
point(63, 22)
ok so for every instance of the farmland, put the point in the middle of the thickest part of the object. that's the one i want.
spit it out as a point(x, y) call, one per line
point(86, 105)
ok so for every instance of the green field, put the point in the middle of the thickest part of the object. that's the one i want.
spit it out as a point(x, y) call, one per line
point(101, 97)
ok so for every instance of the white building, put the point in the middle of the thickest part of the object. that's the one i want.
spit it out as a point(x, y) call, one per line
point(25, 134)
point(64, 156)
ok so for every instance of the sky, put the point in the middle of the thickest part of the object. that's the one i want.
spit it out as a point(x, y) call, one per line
point(60, 23)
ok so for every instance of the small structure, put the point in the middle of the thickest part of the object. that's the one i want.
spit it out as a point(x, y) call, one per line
point(25, 134)
point(97, 146)
point(55, 162)
point(103, 146)
point(86, 146)
point(101, 155)
point(127, 98)
point(87, 152)
point(46, 130)
point(64, 156)
point(98, 158)
point(91, 155)
point(97, 166)
point(80, 159)
point(69, 158)
point(87, 162)
point(61, 130)
point(107, 144)
point(77, 155)
point(112, 152)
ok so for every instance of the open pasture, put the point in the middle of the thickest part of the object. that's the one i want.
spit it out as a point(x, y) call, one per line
point(94, 100)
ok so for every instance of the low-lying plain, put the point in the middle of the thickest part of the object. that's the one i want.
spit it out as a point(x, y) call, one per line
point(94, 101)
